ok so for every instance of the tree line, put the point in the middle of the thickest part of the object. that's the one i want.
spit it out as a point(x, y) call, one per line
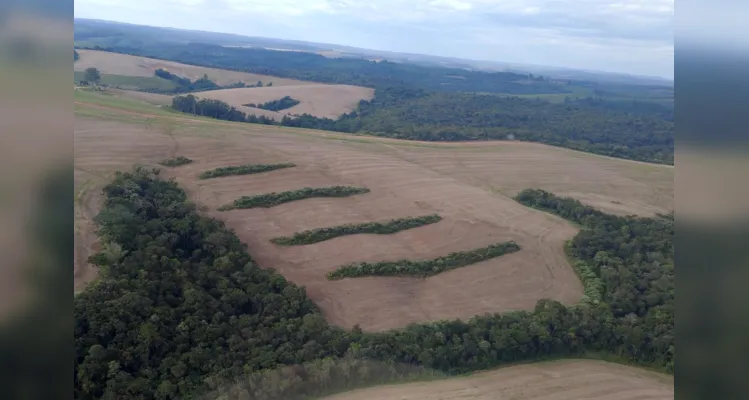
point(181, 310)
point(175, 161)
point(243, 170)
point(185, 85)
point(276, 105)
point(423, 268)
point(379, 228)
point(276, 198)
point(431, 116)
point(350, 71)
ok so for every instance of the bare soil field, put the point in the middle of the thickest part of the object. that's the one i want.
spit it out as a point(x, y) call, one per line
point(324, 101)
point(150, 98)
point(594, 180)
point(468, 185)
point(124, 64)
point(556, 380)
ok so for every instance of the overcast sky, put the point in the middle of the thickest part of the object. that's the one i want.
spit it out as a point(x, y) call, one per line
point(631, 36)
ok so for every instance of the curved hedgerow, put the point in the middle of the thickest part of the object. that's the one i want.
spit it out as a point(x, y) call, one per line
point(175, 162)
point(378, 228)
point(276, 198)
point(423, 268)
point(243, 170)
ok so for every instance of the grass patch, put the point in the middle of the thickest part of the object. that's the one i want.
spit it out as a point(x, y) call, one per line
point(130, 82)
point(175, 162)
point(243, 170)
point(423, 268)
point(378, 228)
point(274, 199)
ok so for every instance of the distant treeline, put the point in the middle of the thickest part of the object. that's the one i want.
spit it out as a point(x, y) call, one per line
point(630, 106)
point(351, 71)
point(420, 115)
point(180, 309)
point(185, 85)
point(276, 105)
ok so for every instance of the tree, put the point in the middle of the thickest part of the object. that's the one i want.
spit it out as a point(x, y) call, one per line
point(92, 75)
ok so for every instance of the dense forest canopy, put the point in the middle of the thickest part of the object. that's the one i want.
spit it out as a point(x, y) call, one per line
point(181, 308)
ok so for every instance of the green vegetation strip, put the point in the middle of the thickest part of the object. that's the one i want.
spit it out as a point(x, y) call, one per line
point(175, 162)
point(243, 170)
point(379, 228)
point(275, 198)
point(423, 268)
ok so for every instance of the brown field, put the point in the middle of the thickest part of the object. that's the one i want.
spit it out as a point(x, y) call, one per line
point(124, 64)
point(150, 98)
point(557, 380)
point(324, 101)
point(467, 184)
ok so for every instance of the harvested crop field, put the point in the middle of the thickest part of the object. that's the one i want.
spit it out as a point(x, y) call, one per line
point(557, 380)
point(324, 101)
point(406, 179)
point(150, 98)
point(124, 64)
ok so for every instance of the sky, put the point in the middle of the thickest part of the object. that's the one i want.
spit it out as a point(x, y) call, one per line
point(629, 36)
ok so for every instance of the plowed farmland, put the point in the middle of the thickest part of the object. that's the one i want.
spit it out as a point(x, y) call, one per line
point(324, 101)
point(468, 185)
point(123, 64)
point(558, 380)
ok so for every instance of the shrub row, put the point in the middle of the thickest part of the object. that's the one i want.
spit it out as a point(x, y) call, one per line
point(276, 105)
point(275, 198)
point(379, 228)
point(243, 170)
point(423, 268)
point(175, 162)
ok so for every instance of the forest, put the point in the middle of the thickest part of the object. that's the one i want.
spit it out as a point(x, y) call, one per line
point(433, 116)
point(181, 309)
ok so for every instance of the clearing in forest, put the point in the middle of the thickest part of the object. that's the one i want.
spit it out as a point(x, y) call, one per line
point(319, 100)
point(469, 185)
point(556, 380)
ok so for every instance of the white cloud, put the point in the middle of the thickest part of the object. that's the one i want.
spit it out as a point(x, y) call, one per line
point(618, 35)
